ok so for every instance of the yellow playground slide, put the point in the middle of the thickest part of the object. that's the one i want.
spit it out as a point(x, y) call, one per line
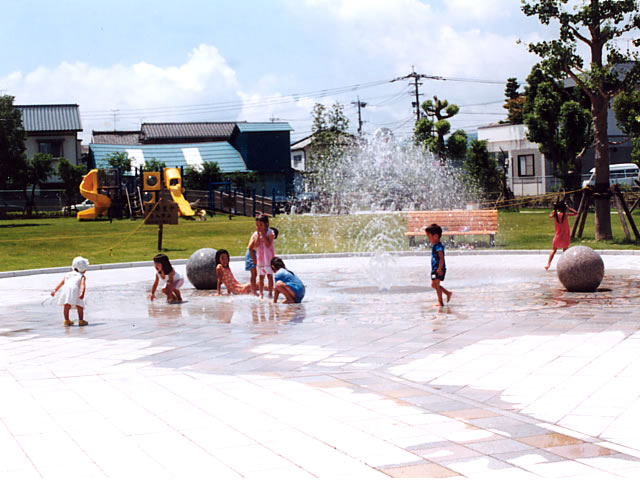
point(89, 190)
point(173, 182)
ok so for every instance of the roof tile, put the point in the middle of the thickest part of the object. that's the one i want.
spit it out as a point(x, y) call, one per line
point(175, 131)
point(50, 118)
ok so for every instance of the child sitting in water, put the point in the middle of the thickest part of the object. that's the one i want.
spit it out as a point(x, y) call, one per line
point(225, 276)
point(73, 286)
point(286, 282)
point(166, 275)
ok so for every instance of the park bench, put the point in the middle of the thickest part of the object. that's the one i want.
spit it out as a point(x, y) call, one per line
point(454, 223)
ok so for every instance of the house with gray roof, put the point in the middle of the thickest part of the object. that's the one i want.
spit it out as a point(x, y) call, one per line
point(52, 129)
point(259, 147)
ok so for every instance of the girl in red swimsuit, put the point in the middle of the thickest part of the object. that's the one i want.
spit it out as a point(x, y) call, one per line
point(562, 238)
point(225, 276)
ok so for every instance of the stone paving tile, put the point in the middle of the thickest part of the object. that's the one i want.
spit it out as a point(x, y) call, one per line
point(420, 470)
point(515, 379)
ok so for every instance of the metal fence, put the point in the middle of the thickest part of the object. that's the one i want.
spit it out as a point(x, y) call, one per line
point(538, 185)
point(235, 202)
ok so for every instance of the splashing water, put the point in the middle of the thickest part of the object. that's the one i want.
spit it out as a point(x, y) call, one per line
point(363, 192)
point(384, 175)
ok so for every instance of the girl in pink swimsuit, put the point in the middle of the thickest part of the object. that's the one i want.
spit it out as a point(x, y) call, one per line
point(264, 253)
point(225, 276)
point(562, 238)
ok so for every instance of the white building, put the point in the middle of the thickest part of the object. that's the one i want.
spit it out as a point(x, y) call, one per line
point(528, 173)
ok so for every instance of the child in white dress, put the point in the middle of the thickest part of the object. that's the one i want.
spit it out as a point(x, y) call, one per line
point(169, 280)
point(72, 291)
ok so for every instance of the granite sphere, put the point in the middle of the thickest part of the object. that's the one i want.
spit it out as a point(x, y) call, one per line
point(580, 269)
point(201, 269)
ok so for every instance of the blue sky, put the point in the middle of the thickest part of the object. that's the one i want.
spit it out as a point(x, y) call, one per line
point(152, 61)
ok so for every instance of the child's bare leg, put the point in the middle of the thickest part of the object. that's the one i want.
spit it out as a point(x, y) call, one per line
point(261, 285)
point(448, 293)
point(65, 312)
point(553, 252)
point(81, 321)
point(435, 284)
point(270, 280)
point(286, 292)
point(254, 283)
point(177, 295)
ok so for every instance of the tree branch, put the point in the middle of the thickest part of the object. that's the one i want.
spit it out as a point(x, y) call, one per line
point(579, 35)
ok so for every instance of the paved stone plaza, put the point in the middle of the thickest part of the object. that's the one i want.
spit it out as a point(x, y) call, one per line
point(516, 378)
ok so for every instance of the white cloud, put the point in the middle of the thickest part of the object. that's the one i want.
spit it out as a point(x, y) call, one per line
point(475, 10)
point(270, 104)
point(203, 79)
point(452, 40)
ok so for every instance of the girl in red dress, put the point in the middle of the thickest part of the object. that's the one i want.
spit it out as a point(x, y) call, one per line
point(562, 238)
point(225, 276)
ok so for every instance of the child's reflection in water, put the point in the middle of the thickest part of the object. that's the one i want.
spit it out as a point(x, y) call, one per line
point(267, 312)
point(166, 314)
point(260, 312)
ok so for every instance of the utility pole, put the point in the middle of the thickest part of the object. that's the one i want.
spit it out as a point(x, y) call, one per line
point(360, 105)
point(415, 76)
point(115, 112)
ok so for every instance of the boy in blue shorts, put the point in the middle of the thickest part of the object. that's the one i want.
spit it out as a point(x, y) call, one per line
point(438, 266)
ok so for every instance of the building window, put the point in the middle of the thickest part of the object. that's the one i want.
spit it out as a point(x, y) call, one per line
point(526, 166)
point(297, 161)
point(52, 147)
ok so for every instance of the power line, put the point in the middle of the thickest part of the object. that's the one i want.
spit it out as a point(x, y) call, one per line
point(415, 76)
point(224, 106)
point(236, 104)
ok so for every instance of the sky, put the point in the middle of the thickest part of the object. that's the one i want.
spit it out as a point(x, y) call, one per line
point(128, 62)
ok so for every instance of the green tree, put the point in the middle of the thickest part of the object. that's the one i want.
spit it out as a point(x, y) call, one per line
point(36, 172)
point(597, 24)
point(241, 180)
point(330, 142)
point(12, 142)
point(198, 178)
point(431, 130)
point(153, 165)
point(482, 169)
point(457, 145)
point(512, 89)
point(71, 176)
point(120, 160)
point(558, 120)
point(514, 101)
point(627, 112)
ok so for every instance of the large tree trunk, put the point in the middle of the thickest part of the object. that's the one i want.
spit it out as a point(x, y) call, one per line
point(601, 140)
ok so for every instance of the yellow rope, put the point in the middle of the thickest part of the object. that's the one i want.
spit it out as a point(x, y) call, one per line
point(522, 201)
point(54, 238)
point(110, 249)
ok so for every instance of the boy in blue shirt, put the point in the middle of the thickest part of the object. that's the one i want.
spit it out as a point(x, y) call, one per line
point(438, 266)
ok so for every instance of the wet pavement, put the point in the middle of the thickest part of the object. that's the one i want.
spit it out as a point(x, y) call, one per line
point(515, 378)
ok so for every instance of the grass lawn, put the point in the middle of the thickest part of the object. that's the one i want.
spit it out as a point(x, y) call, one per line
point(53, 242)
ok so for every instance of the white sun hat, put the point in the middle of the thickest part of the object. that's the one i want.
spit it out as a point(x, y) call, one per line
point(80, 263)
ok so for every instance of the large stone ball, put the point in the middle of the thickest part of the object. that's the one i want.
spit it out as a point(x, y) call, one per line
point(201, 269)
point(580, 269)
